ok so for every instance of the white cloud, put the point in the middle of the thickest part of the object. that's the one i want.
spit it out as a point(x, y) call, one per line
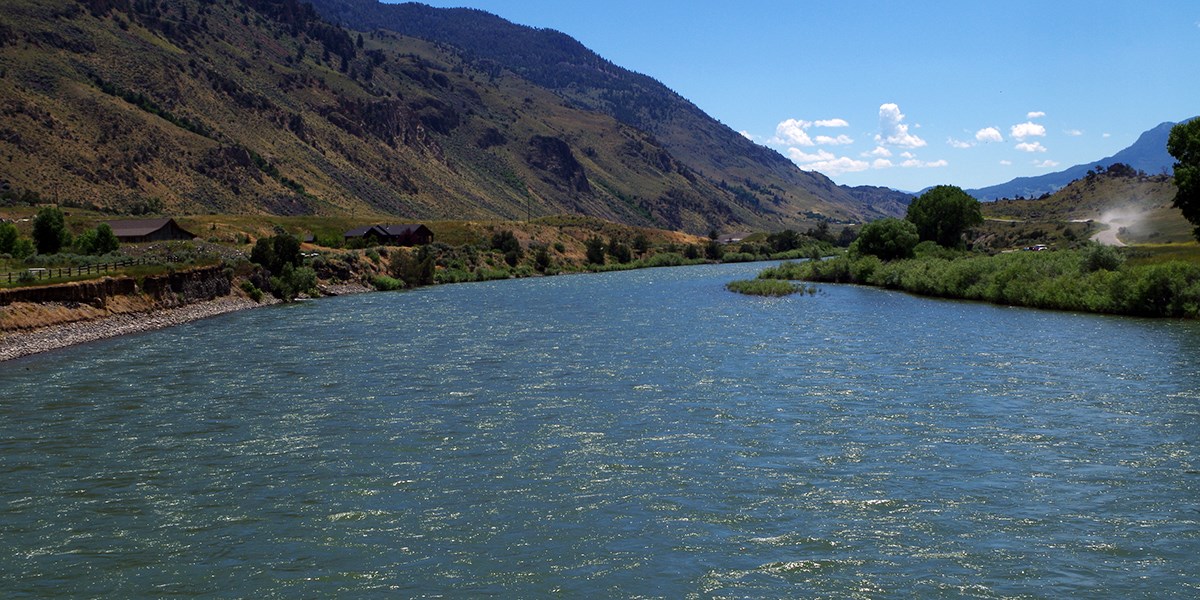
point(837, 166)
point(881, 163)
point(915, 163)
point(1037, 114)
point(747, 135)
point(1045, 164)
point(907, 155)
point(1006, 162)
point(989, 134)
point(826, 162)
point(801, 156)
point(1027, 129)
point(1030, 147)
point(958, 143)
point(1073, 132)
point(1107, 135)
point(879, 151)
point(833, 141)
point(893, 130)
point(831, 123)
point(792, 131)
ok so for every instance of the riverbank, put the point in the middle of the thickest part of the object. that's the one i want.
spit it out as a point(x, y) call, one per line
point(19, 343)
point(16, 344)
point(1095, 279)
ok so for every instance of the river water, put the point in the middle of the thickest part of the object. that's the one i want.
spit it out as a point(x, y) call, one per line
point(637, 434)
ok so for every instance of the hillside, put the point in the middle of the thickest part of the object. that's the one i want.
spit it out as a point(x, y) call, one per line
point(587, 81)
point(1138, 205)
point(261, 107)
point(1147, 154)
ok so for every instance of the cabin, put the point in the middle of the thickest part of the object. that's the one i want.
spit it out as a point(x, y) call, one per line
point(149, 230)
point(411, 234)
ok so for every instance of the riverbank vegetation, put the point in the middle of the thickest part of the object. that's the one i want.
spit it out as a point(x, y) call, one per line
point(1086, 276)
point(768, 287)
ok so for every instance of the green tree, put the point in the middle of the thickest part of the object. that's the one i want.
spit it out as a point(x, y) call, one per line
point(8, 237)
point(943, 213)
point(888, 239)
point(595, 250)
point(22, 248)
point(276, 251)
point(641, 244)
point(413, 268)
point(293, 281)
point(1184, 145)
point(50, 231)
point(619, 251)
point(100, 240)
point(106, 240)
point(508, 244)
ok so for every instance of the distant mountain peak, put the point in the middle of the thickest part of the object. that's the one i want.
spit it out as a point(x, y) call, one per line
point(1148, 153)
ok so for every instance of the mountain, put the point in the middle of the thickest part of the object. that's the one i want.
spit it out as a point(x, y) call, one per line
point(265, 107)
point(1148, 154)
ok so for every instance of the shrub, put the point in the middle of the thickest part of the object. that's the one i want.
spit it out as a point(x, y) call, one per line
point(1097, 257)
point(763, 287)
point(252, 291)
point(889, 239)
point(384, 283)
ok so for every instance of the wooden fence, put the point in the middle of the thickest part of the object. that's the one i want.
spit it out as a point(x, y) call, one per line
point(38, 273)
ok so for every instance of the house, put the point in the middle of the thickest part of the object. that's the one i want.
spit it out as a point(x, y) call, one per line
point(149, 230)
point(394, 235)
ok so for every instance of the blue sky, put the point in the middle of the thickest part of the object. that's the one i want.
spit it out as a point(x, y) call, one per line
point(906, 94)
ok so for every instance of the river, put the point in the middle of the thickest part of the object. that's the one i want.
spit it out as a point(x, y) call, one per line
point(635, 434)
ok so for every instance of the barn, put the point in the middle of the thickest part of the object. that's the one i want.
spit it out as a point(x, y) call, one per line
point(149, 230)
point(411, 234)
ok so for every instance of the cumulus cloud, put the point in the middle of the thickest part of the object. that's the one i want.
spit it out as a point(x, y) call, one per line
point(989, 134)
point(1045, 164)
point(879, 151)
point(1027, 129)
point(833, 141)
point(1037, 114)
point(1006, 162)
point(1030, 147)
point(881, 163)
point(792, 131)
point(1074, 132)
point(747, 135)
point(1107, 135)
point(893, 130)
point(958, 143)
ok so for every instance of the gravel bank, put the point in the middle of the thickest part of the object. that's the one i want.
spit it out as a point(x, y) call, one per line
point(18, 344)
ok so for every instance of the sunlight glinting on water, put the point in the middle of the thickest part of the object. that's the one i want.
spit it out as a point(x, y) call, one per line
point(627, 434)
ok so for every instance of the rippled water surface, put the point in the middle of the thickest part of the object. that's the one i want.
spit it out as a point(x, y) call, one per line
point(630, 434)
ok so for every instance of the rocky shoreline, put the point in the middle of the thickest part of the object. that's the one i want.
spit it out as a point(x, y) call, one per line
point(24, 343)
point(16, 344)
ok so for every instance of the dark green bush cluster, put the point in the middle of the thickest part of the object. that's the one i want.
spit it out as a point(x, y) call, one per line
point(286, 277)
point(1090, 280)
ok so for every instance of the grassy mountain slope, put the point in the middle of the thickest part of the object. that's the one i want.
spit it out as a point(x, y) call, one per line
point(557, 62)
point(259, 106)
point(1139, 205)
